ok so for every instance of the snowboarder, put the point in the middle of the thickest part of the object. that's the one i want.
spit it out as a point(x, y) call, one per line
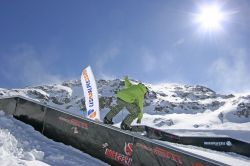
point(131, 97)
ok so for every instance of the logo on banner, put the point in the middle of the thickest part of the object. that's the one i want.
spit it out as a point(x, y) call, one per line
point(124, 159)
point(163, 153)
point(128, 149)
point(90, 112)
point(90, 94)
point(197, 164)
point(227, 143)
point(74, 122)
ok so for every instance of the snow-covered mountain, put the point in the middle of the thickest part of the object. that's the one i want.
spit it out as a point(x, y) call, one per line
point(169, 106)
point(180, 109)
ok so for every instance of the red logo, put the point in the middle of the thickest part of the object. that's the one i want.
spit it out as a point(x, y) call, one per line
point(197, 164)
point(74, 122)
point(162, 153)
point(124, 159)
point(128, 149)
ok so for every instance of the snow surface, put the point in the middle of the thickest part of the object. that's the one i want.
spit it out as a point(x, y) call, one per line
point(21, 145)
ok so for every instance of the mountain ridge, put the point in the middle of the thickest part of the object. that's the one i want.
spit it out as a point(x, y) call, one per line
point(168, 105)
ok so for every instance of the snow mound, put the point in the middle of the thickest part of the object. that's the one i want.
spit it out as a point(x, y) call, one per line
point(20, 144)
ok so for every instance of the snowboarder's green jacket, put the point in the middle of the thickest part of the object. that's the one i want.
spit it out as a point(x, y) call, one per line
point(133, 94)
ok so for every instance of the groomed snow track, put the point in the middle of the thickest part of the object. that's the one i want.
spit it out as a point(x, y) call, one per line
point(110, 144)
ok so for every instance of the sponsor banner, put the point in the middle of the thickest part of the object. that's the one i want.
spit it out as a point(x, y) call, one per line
point(90, 94)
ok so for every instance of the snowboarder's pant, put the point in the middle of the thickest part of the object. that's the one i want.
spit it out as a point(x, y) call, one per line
point(131, 107)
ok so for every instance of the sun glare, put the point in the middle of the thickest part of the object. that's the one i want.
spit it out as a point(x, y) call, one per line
point(210, 18)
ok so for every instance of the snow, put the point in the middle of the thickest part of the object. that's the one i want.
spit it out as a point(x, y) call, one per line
point(20, 145)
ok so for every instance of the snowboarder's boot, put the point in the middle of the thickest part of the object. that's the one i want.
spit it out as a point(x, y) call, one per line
point(107, 121)
point(124, 126)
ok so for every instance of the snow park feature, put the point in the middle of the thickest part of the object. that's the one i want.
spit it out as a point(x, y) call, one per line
point(95, 138)
point(171, 109)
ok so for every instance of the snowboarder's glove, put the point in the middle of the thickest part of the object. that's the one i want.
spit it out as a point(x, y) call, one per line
point(138, 121)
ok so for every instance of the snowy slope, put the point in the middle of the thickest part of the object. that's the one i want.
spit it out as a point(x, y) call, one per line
point(181, 109)
point(20, 144)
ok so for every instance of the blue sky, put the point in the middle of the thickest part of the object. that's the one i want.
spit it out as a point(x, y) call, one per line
point(152, 41)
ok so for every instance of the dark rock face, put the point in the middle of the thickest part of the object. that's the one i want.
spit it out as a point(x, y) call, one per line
point(38, 94)
point(56, 101)
point(194, 92)
point(215, 105)
point(243, 109)
point(163, 122)
point(72, 83)
point(105, 102)
point(229, 96)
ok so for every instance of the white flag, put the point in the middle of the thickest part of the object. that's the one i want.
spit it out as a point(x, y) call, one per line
point(90, 94)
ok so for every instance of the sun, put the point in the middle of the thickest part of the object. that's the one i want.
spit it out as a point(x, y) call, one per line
point(210, 18)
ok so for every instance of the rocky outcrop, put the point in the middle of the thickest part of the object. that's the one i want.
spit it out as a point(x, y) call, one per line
point(243, 109)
